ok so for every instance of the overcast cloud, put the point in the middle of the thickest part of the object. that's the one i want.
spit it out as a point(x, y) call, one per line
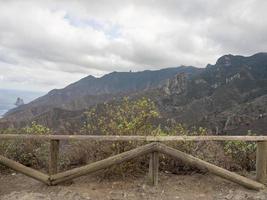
point(49, 44)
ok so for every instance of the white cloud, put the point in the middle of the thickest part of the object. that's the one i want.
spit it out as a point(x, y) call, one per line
point(48, 44)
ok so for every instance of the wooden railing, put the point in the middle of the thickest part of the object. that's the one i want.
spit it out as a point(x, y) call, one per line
point(154, 147)
point(135, 137)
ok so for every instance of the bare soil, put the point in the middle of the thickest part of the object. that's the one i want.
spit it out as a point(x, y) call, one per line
point(171, 187)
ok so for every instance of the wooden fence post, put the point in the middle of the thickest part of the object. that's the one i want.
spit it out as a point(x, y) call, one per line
point(261, 162)
point(153, 168)
point(53, 157)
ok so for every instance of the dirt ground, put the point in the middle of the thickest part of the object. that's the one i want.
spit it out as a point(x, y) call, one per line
point(171, 187)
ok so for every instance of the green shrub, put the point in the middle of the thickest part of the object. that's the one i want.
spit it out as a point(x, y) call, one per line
point(243, 153)
point(31, 153)
point(126, 118)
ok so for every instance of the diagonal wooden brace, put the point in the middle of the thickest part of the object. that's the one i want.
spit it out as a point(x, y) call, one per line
point(248, 183)
point(117, 159)
point(25, 170)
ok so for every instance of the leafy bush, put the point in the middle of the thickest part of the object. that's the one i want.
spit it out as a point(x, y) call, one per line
point(200, 149)
point(126, 118)
point(243, 153)
point(28, 152)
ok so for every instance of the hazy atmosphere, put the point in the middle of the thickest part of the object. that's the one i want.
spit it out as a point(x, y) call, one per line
point(48, 44)
point(133, 100)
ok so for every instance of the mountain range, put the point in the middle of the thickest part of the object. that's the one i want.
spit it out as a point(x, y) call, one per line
point(229, 97)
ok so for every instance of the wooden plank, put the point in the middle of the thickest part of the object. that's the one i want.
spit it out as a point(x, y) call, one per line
point(25, 170)
point(134, 138)
point(153, 168)
point(53, 156)
point(210, 167)
point(117, 159)
point(261, 162)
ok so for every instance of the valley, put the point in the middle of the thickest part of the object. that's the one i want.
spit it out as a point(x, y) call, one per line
point(228, 97)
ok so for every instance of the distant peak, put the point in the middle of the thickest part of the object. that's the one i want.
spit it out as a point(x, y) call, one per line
point(91, 77)
point(225, 60)
point(229, 59)
point(260, 54)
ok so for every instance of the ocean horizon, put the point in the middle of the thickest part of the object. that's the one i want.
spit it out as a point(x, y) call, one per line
point(2, 112)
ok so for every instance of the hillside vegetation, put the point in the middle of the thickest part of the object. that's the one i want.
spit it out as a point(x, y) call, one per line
point(228, 97)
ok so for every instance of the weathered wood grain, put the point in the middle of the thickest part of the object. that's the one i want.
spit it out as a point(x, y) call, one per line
point(25, 170)
point(261, 162)
point(134, 138)
point(153, 173)
point(53, 156)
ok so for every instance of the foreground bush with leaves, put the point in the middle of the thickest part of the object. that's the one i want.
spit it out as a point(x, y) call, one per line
point(31, 153)
point(243, 153)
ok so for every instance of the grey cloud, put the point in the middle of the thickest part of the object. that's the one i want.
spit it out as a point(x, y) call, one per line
point(48, 41)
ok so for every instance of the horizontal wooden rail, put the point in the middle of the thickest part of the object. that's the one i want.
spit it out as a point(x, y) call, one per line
point(134, 138)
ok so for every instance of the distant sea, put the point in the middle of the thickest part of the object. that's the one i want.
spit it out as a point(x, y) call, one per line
point(8, 98)
point(2, 112)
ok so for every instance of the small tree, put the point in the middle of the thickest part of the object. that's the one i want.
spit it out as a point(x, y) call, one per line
point(127, 118)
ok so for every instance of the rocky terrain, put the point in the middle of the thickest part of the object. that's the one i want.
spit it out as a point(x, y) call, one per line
point(171, 187)
point(229, 97)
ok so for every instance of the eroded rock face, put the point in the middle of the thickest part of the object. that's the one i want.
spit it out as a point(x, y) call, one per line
point(225, 60)
point(176, 85)
point(228, 97)
point(19, 102)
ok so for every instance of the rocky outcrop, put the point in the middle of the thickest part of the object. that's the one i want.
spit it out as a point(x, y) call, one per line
point(176, 85)
point(19, 102)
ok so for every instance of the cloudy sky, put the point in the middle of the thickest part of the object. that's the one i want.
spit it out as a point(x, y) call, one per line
point(49, 44)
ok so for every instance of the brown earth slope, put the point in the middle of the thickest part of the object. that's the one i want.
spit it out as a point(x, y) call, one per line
point(171, 187)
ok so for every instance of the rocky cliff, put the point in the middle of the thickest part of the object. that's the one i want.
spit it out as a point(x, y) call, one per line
point(229, 97)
